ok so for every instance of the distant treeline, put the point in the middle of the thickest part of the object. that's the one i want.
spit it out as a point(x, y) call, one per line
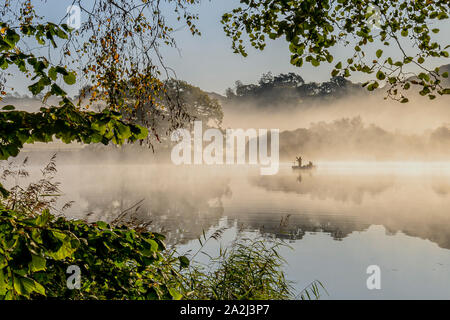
point(289, 89)
point(350, 139)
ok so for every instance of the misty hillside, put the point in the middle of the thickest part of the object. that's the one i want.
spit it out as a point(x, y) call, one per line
point(352, 139)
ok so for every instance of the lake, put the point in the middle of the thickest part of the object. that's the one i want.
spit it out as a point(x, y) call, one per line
point(337, 220)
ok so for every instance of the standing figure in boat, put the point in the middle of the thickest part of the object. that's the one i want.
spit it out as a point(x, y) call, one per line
point(310, 165)
point(299, 160)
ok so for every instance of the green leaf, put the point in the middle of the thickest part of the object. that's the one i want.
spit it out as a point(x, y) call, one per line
point(8, 107)
point(61, 70)
point(3, 283)
point(38, 288)
point(44, 218)
point(102, 225)
point(52, 73)
point(65, 250)
point(330, 58)
point(153, 245)
point(143, 133)
point(56, 90)
point(175, 294)
point(11, 38)
point(3, 63)
point(23, 286)
point(373, 86)
point(37, 263)
point(315, 62)
point(61, 34)
point(381, 75)
point(184, 262)
point(379, 53)
point(70, 78)
point(424, 76)
point(3, 261)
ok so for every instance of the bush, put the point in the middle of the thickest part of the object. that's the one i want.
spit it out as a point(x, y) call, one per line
point(115, 263)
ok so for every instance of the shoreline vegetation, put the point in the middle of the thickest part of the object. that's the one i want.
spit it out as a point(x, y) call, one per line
point(122, 260)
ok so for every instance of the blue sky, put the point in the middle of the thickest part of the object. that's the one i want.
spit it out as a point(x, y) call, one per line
point(208, 61)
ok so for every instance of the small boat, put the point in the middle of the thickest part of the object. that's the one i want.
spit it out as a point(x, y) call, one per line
point(309, 166)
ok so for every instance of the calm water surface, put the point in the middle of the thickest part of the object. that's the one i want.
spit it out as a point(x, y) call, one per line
point(338, 219)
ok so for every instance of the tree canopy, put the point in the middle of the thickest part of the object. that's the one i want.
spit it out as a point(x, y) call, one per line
point(313, 28)
point(116, 52)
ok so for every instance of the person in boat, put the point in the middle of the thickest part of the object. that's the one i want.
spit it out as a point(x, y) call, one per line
point(299, 160)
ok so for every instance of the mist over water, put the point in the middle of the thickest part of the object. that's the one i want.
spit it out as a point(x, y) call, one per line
point(418, 115)
point(339, 219)
point(380, 194)
point(355, 127)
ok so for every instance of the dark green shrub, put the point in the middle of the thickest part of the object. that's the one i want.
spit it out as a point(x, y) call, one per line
point(115, 263)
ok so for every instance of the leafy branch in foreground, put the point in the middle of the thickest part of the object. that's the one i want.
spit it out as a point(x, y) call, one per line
point(115, 263)
point(116, 52)
point(65, 122)
point(314, 28)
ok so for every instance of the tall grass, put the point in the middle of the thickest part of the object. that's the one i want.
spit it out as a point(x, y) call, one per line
point(248, 269)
